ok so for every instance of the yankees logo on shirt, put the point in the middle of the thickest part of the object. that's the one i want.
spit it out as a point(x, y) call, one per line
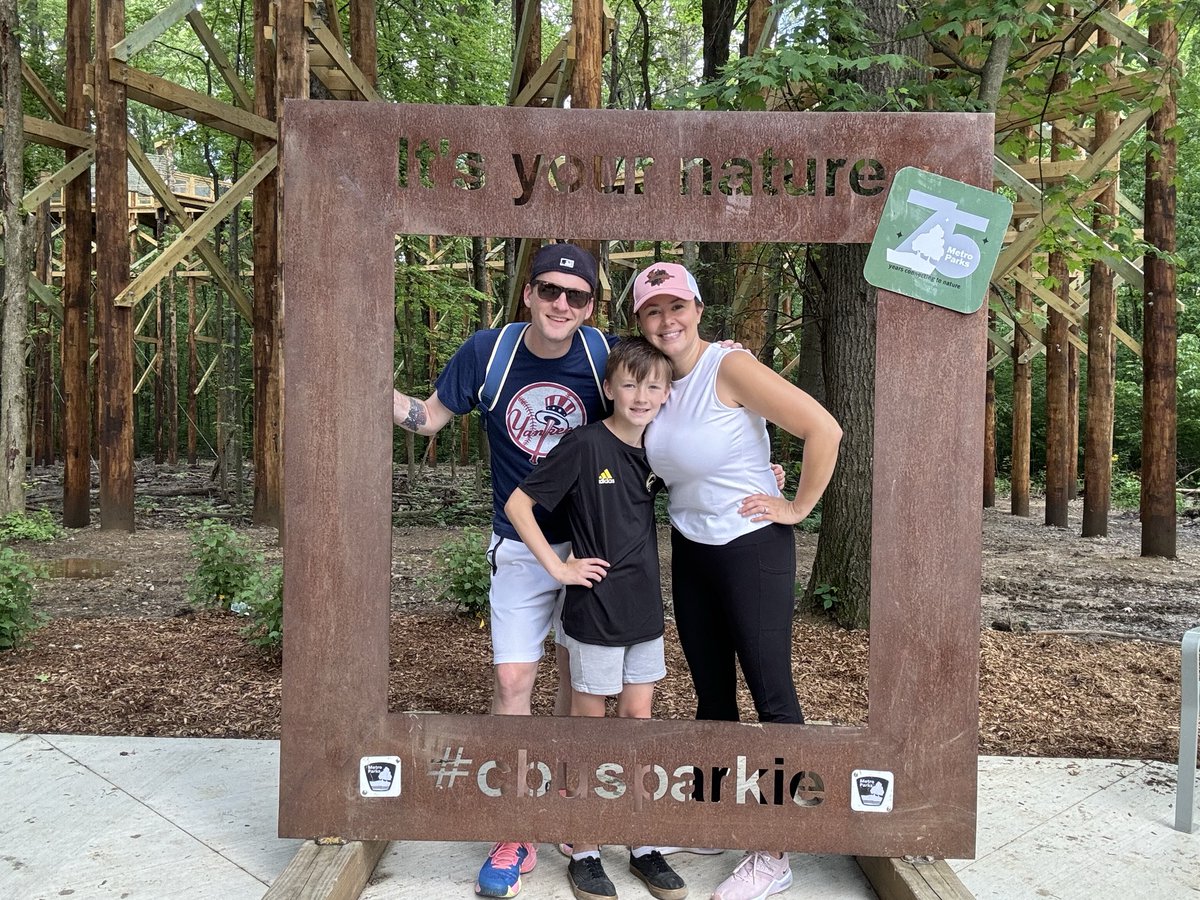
point(540, 414)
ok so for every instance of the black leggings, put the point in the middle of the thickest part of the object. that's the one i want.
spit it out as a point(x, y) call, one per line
point(736, 600)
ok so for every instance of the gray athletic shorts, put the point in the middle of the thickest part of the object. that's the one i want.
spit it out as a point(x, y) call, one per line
point(523, 598)
point(605, 670)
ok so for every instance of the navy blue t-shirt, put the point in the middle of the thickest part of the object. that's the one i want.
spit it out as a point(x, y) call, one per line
point(542, 400)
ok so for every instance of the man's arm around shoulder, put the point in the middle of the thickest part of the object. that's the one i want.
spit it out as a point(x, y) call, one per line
point(426, 417)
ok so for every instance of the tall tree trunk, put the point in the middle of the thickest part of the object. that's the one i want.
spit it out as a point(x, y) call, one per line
point(1102, 349)
point(989, 430)
point(18, 233)
point(193, 380)
point(1058, 441)
point(1022, 418)
point(172, 368)
point(114, 325)
point(843, 557)
point(362, 38)
point(268, 386)
point(1160, 330)
point(77, 284)
point(43, 353)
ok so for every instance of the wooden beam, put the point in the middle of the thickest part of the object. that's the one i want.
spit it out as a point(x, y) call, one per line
point(175, 210)
point(1125, 33)
point(544, 73)
point(1029, 280)
point(1020, 110)
point(530, 14)
point(189, 104)
point(329, 872)
point(61, 178)
point(188, 241)
point(51, 134)
point(240, 95)
point(45, 296)
point(143, 37)
point(917, 879)
point(43, 93)
point(1032, 233)
point(337, 53)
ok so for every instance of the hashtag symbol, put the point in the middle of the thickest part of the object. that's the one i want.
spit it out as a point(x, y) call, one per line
point(448, 768)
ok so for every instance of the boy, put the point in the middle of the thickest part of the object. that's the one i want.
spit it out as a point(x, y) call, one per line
point(612, 615)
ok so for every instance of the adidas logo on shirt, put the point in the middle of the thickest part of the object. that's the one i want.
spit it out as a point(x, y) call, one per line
point(606, 478)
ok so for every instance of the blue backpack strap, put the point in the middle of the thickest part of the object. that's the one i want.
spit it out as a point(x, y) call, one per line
point(595, 345)
point(498, 364)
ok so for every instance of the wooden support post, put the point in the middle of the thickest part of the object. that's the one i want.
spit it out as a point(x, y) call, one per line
point(917, 879)
point(1102, 347)
point(1073, 352)
point(268, 473)
point(172, 367)
point(527, 26)
point(327, 871)
point(1022, 402)
point(114, 324)
point(363, 46)
point(42, 396)
point(1159, 326)
point(193, 374)
point(587, 23)
point(989, 430)
point(1058, 442)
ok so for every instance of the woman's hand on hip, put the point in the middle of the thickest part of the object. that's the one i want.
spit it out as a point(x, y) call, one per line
point(765, 508)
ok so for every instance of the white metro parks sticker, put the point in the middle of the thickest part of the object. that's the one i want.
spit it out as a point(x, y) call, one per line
point(379, 776)
point(871, 791)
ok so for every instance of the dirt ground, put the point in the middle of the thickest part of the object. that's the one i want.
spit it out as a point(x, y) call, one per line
point(1079, 640)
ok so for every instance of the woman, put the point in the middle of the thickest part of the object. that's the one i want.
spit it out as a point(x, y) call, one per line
point(733, 565)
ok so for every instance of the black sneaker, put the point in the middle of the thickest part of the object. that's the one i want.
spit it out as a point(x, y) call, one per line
point(661, 880)
point(588, 881)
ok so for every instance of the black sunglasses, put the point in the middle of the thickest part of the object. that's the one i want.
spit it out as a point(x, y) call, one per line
point(550, 292)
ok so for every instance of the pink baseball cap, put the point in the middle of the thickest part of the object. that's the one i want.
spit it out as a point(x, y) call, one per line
point(671, 279)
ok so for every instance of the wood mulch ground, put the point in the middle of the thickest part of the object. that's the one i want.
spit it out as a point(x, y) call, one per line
point(192, 675)
point(123, 653)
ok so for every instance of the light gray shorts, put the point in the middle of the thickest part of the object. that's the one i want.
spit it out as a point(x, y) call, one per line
point(605, 670)
point(523, 598)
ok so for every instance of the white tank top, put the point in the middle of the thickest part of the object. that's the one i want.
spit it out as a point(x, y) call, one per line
point(710, 455)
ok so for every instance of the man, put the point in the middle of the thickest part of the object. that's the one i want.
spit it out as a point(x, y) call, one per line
point(551, 388)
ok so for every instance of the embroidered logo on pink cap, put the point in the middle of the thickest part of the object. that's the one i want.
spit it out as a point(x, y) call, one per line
point(671, 279)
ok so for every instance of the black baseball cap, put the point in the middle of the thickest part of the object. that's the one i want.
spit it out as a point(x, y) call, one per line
point(567, 258)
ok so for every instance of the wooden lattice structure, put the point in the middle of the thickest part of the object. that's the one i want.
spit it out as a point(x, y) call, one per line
point(296, 45)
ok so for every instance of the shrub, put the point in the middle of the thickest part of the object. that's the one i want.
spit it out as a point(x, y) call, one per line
point(36, 526)
point(17, 617)
point(464, 574)
point(261, 598)
point(224, 564)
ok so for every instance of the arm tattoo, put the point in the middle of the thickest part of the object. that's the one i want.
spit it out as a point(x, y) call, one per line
point(416, 417)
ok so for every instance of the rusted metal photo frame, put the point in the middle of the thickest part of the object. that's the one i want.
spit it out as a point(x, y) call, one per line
point(355, 175)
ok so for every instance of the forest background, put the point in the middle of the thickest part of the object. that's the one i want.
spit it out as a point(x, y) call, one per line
point(830, 56)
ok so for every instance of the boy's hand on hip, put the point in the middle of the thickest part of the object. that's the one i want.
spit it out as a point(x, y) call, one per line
point(585, 572)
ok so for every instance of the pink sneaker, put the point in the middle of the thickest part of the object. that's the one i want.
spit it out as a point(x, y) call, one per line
point(757, 876)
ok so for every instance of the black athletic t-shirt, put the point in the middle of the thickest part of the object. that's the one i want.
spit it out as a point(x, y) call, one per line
point(607, 490)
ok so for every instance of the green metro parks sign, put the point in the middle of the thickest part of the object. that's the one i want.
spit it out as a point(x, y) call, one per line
point(938, 240)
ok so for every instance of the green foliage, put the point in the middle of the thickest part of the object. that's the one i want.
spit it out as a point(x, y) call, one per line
point(36, 526)
point(17, 618)
point(261, 598)
point(224, 564)
point(1126, 490)
point(464, 574)
point(823, 594)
